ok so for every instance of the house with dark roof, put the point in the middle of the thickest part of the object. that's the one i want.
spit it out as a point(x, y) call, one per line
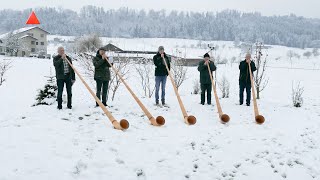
point(32, 41)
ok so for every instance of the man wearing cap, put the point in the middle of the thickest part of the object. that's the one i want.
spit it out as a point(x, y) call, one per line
point(102, 74)
point(244, 78)
point(205, 80)
point(65, 76)
point(161, 73)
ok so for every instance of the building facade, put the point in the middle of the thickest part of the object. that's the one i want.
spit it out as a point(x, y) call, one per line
point(30, 41)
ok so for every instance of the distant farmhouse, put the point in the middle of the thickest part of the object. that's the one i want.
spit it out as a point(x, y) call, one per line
point(137, 55)
point(24, 42)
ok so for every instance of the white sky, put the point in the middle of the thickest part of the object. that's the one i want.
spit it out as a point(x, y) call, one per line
point(307, 8)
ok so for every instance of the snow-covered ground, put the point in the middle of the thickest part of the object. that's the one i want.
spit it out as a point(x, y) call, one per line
point(44, 143)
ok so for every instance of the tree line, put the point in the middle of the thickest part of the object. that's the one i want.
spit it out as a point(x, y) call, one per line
point(227, 25)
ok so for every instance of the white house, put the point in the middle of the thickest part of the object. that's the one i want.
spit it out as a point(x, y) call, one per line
point(26, 41)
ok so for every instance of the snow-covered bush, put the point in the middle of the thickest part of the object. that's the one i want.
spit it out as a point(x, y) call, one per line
point(224, 86)
point(297, 92)
point(196, 86)
point(307, 54)
point(47, 95)
point(315, 52)
point(87, 44)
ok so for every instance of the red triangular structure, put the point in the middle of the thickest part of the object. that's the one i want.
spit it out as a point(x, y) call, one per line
point(33, 19)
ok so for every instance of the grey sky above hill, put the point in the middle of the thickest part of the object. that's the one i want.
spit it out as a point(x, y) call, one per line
point(306, 8)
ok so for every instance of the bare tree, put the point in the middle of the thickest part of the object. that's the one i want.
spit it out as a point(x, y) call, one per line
point(145, 73)
point(5, 65)
point(224, 86)
point(261, 65)
point(297, 92)
point(122, 66)
point(89, 43)
point(179, 70)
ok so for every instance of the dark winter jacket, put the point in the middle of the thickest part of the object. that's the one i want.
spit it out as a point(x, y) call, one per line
point(160, 66)
point(101, 68)
point(244, 71)
point(204, 73)
point(58, 64)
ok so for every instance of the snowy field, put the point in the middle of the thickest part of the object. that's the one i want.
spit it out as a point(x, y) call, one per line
point(43, 143)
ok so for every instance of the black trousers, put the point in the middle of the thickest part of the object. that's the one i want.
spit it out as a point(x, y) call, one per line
point(206, 88)
point(60, 83)
point(245, 86)
point(102, 89)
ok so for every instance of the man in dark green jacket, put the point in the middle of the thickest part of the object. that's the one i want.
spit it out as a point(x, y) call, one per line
point(205, 80)
point(244, 78)
point(161, 73)
point(64, 75)
point(102, 74)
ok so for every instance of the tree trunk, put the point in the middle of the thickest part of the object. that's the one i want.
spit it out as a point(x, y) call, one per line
point(258, 92)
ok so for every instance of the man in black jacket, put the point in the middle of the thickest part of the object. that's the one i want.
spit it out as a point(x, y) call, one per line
point(161, 73)
point(102, 74)
point(205, 80)
point(244, 78)
point(64, 75)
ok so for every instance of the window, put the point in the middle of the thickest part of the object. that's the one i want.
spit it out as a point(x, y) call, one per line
point(36, 43)
point(42, 43)
point(30, 34)
point(0, 49)
point(32, 42)
point(33, 50)
point(42, 35)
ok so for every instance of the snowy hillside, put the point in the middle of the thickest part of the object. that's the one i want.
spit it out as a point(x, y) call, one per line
point(44, 143)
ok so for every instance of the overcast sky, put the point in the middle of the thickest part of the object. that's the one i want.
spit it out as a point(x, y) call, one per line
point(307, 8)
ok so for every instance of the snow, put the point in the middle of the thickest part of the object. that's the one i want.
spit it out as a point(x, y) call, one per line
point(44, 143)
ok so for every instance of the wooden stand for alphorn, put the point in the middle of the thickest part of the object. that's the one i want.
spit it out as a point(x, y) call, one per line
point(223, 117)
point(124, 124)
point(159, 121)
point(191, 120)
point(259, 118)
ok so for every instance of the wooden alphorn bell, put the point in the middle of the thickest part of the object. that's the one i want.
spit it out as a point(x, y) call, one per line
point(259, 118)
point(159, 121)
point(190, 120)
point(223, 117)
point(124, 124)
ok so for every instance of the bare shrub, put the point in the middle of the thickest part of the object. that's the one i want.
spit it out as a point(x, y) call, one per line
point(121, 64)
point(196, 86)
point(224, 86)
point(145, 73)
point(5, 65)
point(297, 92)
point(179, 71)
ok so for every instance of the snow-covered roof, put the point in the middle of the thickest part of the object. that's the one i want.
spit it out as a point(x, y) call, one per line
point(21, 30)
point(27, 36)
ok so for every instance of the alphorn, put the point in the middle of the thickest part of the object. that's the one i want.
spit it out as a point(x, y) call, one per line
point(124, 124)
point(223, 117)
point(190, 120)
point(259, 118)
point(159, 121)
